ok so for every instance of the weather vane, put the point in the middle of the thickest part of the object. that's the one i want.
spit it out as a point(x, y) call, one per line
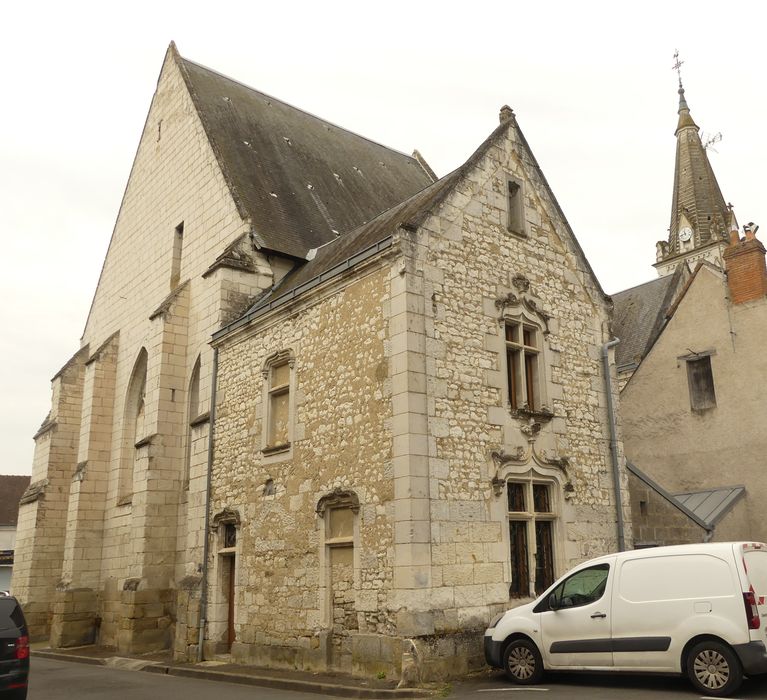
point(678, 66)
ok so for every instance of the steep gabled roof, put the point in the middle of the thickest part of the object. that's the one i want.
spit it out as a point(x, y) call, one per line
point(298, 178)
point(370, 238)
point(640, 314)
point(11, 488)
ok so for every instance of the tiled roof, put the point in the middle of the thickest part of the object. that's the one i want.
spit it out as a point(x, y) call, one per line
point(639, 316)
point(296, 177)
point(11, 488)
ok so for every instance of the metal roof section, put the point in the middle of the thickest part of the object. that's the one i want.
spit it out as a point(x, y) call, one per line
point(673, 500)
point(711, 505)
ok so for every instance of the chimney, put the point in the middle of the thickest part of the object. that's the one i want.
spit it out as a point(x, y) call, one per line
point(745, 265)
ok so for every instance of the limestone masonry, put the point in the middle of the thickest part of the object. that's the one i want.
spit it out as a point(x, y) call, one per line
point(402, 377)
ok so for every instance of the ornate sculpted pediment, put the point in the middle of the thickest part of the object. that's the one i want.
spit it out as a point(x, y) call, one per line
point(338, 498)
point(523, 299)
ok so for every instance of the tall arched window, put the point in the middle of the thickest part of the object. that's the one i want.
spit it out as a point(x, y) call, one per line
point(192, 412)
point(133, 427)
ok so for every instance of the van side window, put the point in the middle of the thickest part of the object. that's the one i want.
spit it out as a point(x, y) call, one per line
point(582, 588)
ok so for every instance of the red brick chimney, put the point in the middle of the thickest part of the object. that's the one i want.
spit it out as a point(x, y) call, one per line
point(746, 268)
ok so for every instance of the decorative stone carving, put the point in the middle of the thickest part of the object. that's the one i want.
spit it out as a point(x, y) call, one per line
point(227, 516)
point(131, 584)
point(79, 474)
point(523, 300)
point(520, 282)
point(34, 491)
point(338, 498)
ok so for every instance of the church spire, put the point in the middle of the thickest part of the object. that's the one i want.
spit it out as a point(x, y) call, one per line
point(699, 215)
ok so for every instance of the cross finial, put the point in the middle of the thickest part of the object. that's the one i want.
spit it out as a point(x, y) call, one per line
point(678, 66)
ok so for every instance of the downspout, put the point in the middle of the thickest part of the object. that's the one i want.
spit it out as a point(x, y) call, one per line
point(614, 441)
point(206, 536)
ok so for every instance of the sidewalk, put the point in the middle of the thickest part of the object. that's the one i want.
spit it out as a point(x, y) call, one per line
point(334, 684)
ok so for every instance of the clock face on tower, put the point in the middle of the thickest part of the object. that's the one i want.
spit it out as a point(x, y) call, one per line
point(685, 234)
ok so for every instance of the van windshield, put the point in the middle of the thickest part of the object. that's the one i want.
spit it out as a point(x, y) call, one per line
point(756, 566)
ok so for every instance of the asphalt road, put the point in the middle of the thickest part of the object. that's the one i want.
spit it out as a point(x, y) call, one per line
point(62, 680)
point(494, 686)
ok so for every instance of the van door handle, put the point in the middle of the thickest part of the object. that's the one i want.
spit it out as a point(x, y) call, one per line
point(598, 615)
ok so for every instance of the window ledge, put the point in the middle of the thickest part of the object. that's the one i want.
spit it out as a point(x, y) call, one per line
point(276, 449)
point(542, 415)
point(518, 234)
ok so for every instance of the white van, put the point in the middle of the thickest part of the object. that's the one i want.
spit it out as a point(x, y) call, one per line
point(697, 609)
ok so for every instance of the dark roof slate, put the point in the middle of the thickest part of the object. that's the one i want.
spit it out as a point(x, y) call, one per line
point(639, 316)
point(11, 488)
point(296, 177)
point(409, 214)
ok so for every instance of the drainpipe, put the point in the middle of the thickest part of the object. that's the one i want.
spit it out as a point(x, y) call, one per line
point(206, 537)
point(613, 441)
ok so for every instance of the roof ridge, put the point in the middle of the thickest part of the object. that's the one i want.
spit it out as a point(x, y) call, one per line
point(298, 109)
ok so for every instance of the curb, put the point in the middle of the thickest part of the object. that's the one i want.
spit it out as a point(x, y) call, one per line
point(318, 687)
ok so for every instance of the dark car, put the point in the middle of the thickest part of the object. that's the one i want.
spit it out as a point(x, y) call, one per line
point(14, 650)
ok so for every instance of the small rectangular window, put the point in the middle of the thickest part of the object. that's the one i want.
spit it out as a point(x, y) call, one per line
point(516, 493)
point(516, 208)
point(541, 501)
point(279, 405)
point(701, 383)
point(520, 578)
point(544, 556)
point(340, 523)
point(175, 266)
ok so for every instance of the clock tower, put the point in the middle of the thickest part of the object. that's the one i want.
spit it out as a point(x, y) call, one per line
point(700, 219)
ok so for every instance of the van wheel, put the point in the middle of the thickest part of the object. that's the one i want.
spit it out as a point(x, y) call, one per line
point(522, 662)
point(714, 669)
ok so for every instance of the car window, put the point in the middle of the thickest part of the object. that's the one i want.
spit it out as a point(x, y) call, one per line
point(583, 587)
point(10, 614)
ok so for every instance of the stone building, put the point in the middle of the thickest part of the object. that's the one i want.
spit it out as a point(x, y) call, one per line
point(12, 486)
point(405, 393)
point(691, 365)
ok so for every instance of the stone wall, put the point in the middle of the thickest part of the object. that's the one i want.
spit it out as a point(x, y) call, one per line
point(657, 522)
point(150, 538)
point(399, 397)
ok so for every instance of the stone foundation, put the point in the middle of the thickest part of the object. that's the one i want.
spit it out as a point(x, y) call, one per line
point(76, 618)
point(147, 621)
point(425, 659)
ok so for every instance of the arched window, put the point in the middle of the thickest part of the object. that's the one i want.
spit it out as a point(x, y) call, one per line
point(192, 412)
point(134, 427)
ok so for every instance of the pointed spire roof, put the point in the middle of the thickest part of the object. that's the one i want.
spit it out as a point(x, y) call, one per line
point(697, 200)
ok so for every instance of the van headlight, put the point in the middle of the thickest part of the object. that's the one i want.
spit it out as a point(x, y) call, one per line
point(496, 620)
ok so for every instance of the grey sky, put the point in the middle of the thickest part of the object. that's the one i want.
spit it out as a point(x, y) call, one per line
point(591, 84)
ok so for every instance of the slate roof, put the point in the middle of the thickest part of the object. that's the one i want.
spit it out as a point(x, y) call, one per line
point(296, 177)
point(696, 191)
point(639, 316)
point(11, 488)
point(372, 237)
point(711, 505)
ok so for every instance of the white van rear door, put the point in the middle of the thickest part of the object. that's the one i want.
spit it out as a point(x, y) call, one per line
point(755, 567)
